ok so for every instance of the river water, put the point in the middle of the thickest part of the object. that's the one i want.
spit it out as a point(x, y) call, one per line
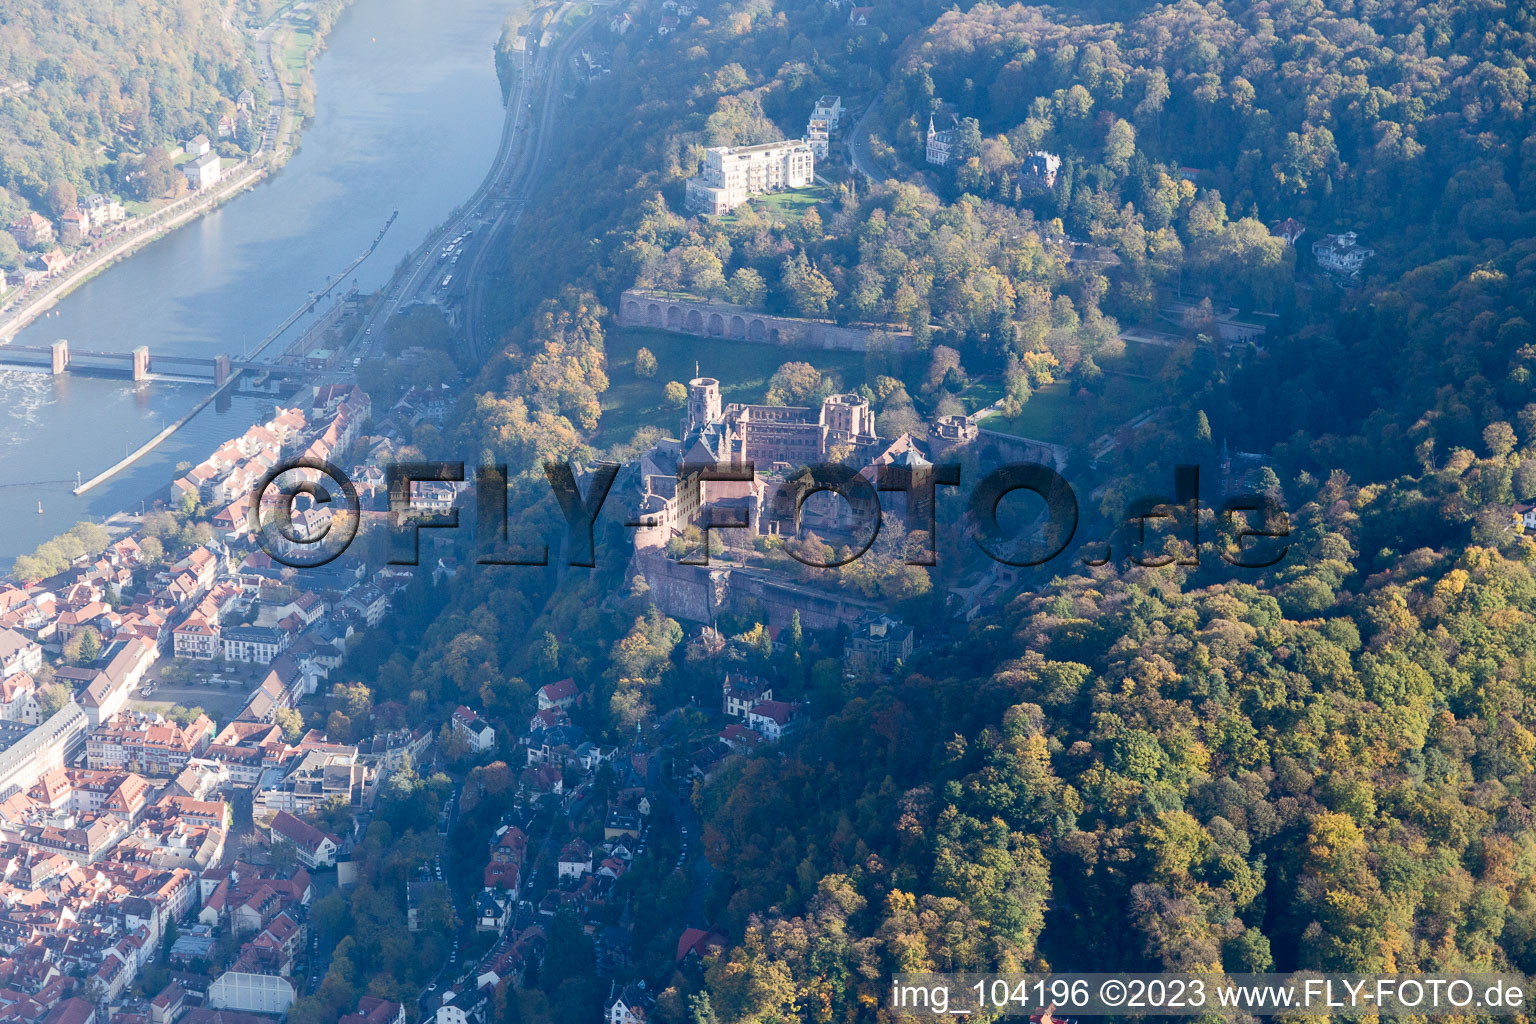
point(407, 116)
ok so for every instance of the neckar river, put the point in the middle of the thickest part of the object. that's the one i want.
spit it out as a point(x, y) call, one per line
point(407, 116)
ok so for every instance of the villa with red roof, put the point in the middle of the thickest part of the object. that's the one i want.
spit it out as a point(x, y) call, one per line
point(316, 849)
point(557, 695)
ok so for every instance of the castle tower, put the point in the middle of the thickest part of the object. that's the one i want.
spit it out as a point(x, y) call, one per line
point(703, 402)
point(846, 418)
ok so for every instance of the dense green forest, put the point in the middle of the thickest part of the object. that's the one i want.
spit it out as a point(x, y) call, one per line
point(88, 87)
point(1321, 765)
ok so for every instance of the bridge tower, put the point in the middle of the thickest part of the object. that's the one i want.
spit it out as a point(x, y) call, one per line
point(60, 355)
point(141, 362)
point(220, 369)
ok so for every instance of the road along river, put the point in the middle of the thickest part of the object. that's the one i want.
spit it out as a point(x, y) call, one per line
point(408, 116)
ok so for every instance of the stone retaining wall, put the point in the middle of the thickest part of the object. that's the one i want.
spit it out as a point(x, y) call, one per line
point(641, 308)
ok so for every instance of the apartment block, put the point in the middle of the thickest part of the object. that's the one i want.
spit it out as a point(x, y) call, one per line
point(731, 176)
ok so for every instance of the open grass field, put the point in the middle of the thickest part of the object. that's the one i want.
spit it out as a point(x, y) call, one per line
point(296, 51)
point(981, 393)
point(1054, 414)
point(742, 368)
point(789, 205)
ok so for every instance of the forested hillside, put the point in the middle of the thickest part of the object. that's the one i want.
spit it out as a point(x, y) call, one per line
point(85, 84)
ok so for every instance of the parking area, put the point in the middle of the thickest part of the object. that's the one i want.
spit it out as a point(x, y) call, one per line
point(222, 702)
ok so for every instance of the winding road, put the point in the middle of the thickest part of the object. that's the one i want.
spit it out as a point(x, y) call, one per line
point(858, 143)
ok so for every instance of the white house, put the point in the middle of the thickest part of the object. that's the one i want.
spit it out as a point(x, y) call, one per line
point(196, 638)
point(471, 728)
point(1341, 254)
point(18, 654)
point(774, 719)
point(740, 694)
point(493, 909)
point(823, 123)
point(630, 1005)
point(316, 849)
point(943, 130)
point(575, 860)
point(18, 700)
point(203, 172)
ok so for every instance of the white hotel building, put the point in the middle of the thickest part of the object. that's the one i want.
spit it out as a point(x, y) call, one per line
point(733, 175)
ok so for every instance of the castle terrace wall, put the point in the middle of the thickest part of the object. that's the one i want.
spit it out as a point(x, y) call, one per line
point(700, 593)
point(639, 307)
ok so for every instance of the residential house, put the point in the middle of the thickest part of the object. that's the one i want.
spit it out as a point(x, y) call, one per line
point(493, 909)
point(259, 644)
point(823, 124)
point(1039, 171)
point(196, 638)
point(696, 943)
point(32, 229)
point(473, 730)
point(575, 860)
point(742, 693)
point(19, 654)
point(504, 870)
point(203, 172)
point(18, 699)
point(878, 643)
point(373, 1010)
point(943, 133)
point(557, 695)
point(316, 849)
point(621, 824)
point(630, 1004)
point(104, 210)
point(1341, 254)
point(1289, 229)
point(774, 719)
point(75, 227)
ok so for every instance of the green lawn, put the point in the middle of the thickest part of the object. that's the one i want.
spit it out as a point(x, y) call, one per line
point(981, 393)
point(296, 49)
point(790, 205)
point(1055, 414)
point(742, 368)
